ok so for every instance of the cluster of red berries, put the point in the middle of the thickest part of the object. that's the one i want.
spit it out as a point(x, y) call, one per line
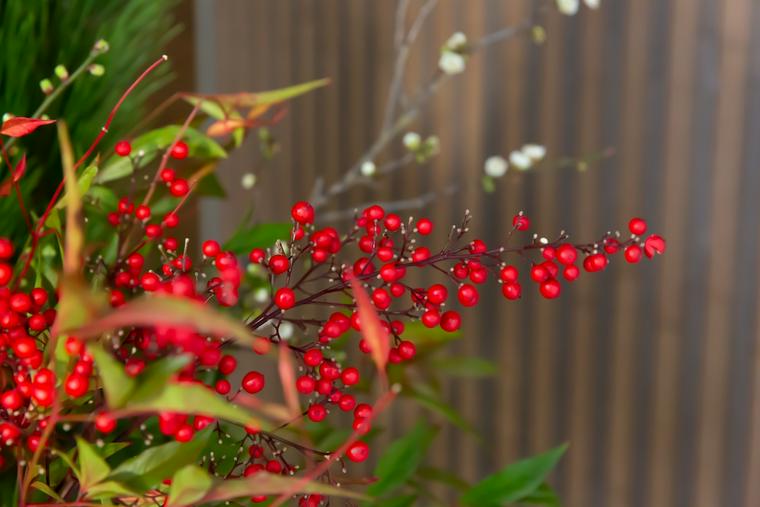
point(382, 251)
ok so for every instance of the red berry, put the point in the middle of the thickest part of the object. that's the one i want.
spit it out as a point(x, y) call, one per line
point(153, 231)
point(550, 288)
point(305, 384)
point(184, 433)
point(123, 148)
point(450, 321)
point(11, 400)
point(167, 175)
point(431, 318)
point(227, 364)
point(350, 376)
point(424, 226)
point(170, 220)
point(278, 264)
point(392, 222)
point(179, 150)
point(6, 248)
point(637, 226)
point(179, 187)
point(316, 412)
point(142, 212)
point(539, 273)
point(20, 302)
point(76, 385)
point(468, 295)
point(253, 382)
point(511, 290)
point(257, 255)
point(211, 248)
point(407, 350)
point(223, 386)
point(633, 253)
point(571, 273)
point(150, 282)
point(508, 274)
point(357, 452)
point(302, 212)
point(521, 222)
point(595, 262)
point(285, 298)
point(313, 357)
point(654, 245)
point(6, 273)
point(437, 294)
point(566, 254)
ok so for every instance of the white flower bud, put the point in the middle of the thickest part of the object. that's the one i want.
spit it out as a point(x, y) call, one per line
point(535, 152)
point(368, 168)
point(520, 160)
point(286, 330)
point(457, 41)
point(569, 7)
point(248, 181)
point(412, 141)
point(451, 63)
point(592, 4)
point(495, 166)
point(261, 295)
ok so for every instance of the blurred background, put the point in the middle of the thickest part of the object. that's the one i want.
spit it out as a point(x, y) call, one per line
point(651, 373)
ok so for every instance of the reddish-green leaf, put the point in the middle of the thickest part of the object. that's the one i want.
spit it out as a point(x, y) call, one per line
point(18, 172)
point(372, 330)
point(20, 126)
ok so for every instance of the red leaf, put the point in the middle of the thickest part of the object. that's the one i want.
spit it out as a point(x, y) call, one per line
point(20, 126)
point(372, 330)
point(18, 172)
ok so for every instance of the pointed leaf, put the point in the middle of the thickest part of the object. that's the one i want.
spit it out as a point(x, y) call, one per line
point(258, 236)
point(92, 467)
point(41, 486)
point(263, 483)
point(117, 385)
point(74, 237)
point(515, 482)
point(189, 485)
point(399, 462)
point(153, 465)
point(20, 126)
point(18, 172)
point(372, 331)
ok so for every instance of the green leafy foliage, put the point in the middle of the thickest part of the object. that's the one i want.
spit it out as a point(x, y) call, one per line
point(37, 35)
point(153, 143)
point(400, 461)
point(189, 485)
point(257, 236)
point(92, 467)
point(516, 482)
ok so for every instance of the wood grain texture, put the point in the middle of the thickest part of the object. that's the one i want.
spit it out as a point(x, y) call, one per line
point(651, 372)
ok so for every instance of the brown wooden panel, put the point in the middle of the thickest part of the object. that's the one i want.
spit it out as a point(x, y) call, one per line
point(635, 366)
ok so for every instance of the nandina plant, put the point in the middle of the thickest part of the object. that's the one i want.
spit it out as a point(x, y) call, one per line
point(123, 375)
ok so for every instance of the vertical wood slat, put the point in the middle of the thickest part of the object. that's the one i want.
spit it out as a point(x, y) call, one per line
point(263, 44)
point(624, 340)
point(735, 35)
point(578, 464)
point(676, 173)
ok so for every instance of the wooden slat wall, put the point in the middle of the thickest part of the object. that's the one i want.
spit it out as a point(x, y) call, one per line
point(653, 372)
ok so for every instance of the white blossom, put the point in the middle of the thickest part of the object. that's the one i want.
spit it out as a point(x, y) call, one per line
point(248, 181)
point(368, 168)
point(456, 42)
point(261, 295)
point(592, 4)
point(496, 166)
point(520, 160)
point(285, 330)
point(412, 141)
point(569, 7)
point(535, 152)
point(451, 63)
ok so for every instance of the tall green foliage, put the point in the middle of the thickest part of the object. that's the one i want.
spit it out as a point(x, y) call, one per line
point(37, 35)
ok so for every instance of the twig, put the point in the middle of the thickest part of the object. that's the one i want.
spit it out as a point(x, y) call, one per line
point(418, 202)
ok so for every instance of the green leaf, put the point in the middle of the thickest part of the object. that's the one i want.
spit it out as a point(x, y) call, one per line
point(263, 483)
point(189, 485)
point(440, 407)
point(153, 143)
point(443, 476)
point(110, 489)
point(41, 486)
point(209, 186)
point(164, 310)
point(92, 467)
point(473, 367)
point(258, 236)
point(84, 182)
point(515, 482)
point(192, 398)
point(157, 375)
point(118, 386)
point(153, 465)
point(400, 501)
point(544, 495)
point(399, 462)
point(282, 94)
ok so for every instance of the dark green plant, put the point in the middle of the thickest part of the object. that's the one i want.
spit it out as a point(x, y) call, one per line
point(38, 35)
